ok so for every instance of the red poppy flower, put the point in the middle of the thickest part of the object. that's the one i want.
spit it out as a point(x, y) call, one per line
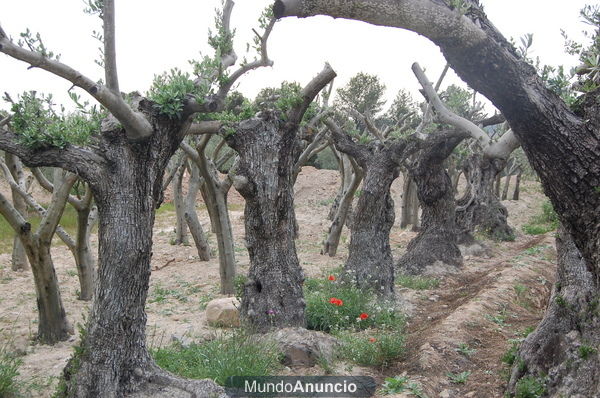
point(331, 278)
point(372, 339)
point(363, 316)
point(336, 301)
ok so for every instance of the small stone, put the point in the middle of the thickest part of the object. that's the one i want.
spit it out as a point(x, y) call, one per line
point(445, 394)
point(223, 312)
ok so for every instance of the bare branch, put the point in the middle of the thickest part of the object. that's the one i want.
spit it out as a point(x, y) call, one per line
point(369, 123)
point(205, 127)
point(110, 53)
point(135, 124)
point(263, 61)
point(503, 147)
point(427, 114)
point(5, 121)
point(309, 151)
point(344, 143)
point(446, 115)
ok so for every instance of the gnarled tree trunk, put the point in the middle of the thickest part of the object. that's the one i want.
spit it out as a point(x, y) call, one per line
point(568, 337)
point(191, 217)
point(181, 230)
point(480, 209)
point(517, 190)
point(437, 239)
point(273, 293)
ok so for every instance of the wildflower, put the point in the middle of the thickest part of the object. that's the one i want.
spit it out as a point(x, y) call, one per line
point(336, 301)
point(363, 316)
point(372, 339)
point(270, 312)
point(331, 278)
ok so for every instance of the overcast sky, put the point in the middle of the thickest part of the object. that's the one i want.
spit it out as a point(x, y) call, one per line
point(154, 36)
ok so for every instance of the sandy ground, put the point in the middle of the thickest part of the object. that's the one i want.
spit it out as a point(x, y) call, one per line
point(484, 305)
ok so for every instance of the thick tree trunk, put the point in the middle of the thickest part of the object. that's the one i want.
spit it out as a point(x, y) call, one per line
point(19, 260)
point(273, 293)
point(480, 209)
point(84, 258)
point(191, 217)
point(564, 347)
point(370, 264)
point(344, 208)
point(437, 241)
point(517, 186)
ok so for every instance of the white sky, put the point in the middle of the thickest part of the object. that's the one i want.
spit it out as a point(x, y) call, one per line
point(153, 37)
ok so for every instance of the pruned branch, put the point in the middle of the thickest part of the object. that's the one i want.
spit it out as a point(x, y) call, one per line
point(55, 210)
point(447, 116)
point(78, 160)
point(308, 94)
point(427, 112)
point(136, 125)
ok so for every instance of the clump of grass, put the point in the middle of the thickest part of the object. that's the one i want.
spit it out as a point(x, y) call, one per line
point(459, 378)
point(228, 355)
point(530, 387)
point(400, 384)
point(377, 348)
point(332, 305)
point(545, 221)
point(585, 351)
point(417, 282)
point(9, 370)
point(465, 350)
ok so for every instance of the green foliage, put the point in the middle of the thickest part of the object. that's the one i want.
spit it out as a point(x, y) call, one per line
point(400, 384)
point(322, 314)
point(168, 91)
point(585, 351)
point(465, 350)
point(282, 99)
point(459, 378)
point(417, 282)
point(530, 387)
point(375, 348)
point(510, 355)
point(460, 101)
point(363, 93)
point(38, 125)
point(9, 370)
point(239, 282)
point(324, 160)
point(228, 355)
point(545, 221)
point(36, 44)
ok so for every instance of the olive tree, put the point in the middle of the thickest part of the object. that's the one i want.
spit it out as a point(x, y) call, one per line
point(124, 162)
point(561, 143)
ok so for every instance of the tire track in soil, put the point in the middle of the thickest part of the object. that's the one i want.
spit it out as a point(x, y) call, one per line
point(455, 313)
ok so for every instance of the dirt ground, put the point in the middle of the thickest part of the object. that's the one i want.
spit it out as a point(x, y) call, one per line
point(491, 300)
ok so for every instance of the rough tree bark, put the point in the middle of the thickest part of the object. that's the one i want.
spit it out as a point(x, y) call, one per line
point(370, 264)
point(570, 326)
point(562, 146)
point(437, 239)
point(268, 149)
point(53, 325)
point(124, 166)
point(480, 208)
point(19, 260)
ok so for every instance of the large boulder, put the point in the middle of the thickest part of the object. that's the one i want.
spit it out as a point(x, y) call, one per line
point(223, 312)
point(302, 347)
